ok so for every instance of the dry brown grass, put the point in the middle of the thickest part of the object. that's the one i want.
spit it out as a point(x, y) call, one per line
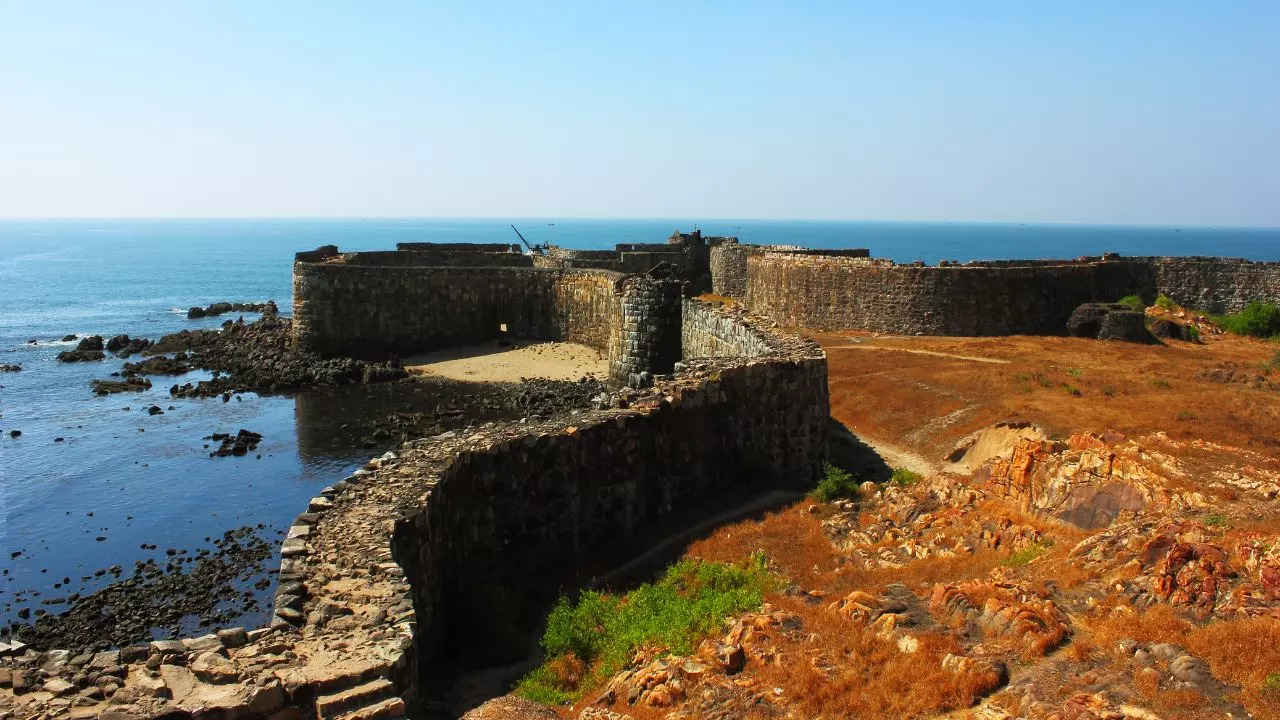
point(1243, 652)
point(1156, 624)
point(871, 678)
point(902, 397)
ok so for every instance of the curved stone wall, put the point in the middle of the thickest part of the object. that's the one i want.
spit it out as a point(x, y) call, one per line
point(459, 533)
point(729, 263)
point(994, 298)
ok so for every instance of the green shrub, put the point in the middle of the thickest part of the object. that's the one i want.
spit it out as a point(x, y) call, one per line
point(1215, 519)
point(903, 477)
point(1072, 390)
point(1026, 555)
point(1160, 384)
point(1109, 391)
point(835, 484)
point(1193, 333)
point(1272, 683)
point(1258, 319)
point(1133, 302)
point(1184, 415)
point(1164, 302)
point(1075, 372)
point(691, 601)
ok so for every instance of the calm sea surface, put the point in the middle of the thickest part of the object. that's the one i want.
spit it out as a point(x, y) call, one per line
point(148, 479)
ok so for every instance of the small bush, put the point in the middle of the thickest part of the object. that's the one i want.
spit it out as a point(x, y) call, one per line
point(1193, 333)
point(592, 639)
point(1258, 319)
point(1275, 361)
point(1215, 519)
point(1164, 302)
point(1272, 683)
point(1185, 415)
point(1133, 302)
point(1026, 555)
point(1160, 384)
point(835, 484)
point(1075, 372)
point(1109, 391)
point(903, 477)
point(1072, 390)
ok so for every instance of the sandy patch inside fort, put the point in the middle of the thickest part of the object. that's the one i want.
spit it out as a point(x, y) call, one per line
point(490, 362)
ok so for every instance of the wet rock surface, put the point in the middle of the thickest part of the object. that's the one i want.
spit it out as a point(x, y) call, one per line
point(239, 444)
point(6, 367)
point(88, 349)
point(259, 357)
point(220, 308)
point(132, 384)
point(181, 591)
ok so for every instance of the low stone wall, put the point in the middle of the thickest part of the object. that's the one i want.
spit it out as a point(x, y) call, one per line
point(711, 331)
point(453, 538)
point(990, 298)
point(1217, 285)
point(463, 247)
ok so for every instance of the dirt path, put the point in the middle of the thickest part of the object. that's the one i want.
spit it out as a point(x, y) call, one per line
point(996, 361)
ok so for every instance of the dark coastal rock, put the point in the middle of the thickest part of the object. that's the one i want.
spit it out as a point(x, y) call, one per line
point(260, 357)
point(124, 346)
point(239, 444)
point(158, 365)
point(219, 308)
point(65, 338)
point(10, 368)
point(15, 433)
point(89, 348)
point(155, 410)
point(132, 384)
point(1108, 321)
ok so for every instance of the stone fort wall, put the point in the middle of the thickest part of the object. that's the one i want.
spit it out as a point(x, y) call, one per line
point(355, 305)
point(460, 540)
point(989, 298)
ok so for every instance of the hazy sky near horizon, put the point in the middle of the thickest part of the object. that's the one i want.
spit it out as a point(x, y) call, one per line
point(1140, 112)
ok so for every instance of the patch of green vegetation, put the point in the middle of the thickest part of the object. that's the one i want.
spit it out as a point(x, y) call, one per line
point(1258, 319)
point(600, 632)
point(1109, 391)
point(1075, 372)
point(1133, 302)
point(836, 484)
point(1044, 381)
point(1215, 519)
point(1160, 384)
point(1164, 302)
point(1072, 390)
point(1185, 415)
point(903, 477)
point(1272, 683)
point(1026, 554)
point(1193, 333)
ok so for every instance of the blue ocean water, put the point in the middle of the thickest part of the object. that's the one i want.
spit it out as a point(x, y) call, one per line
point(148, 479)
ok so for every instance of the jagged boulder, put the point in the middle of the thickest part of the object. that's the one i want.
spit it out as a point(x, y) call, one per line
point(1164, 327)
point(1108, 321)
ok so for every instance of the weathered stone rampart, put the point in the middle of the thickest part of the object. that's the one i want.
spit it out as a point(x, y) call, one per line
point(729, 263)
point(357, 305)
point(460, 536)
point(988, 298)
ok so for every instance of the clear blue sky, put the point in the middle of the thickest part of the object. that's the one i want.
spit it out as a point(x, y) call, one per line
point(1162, 112)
